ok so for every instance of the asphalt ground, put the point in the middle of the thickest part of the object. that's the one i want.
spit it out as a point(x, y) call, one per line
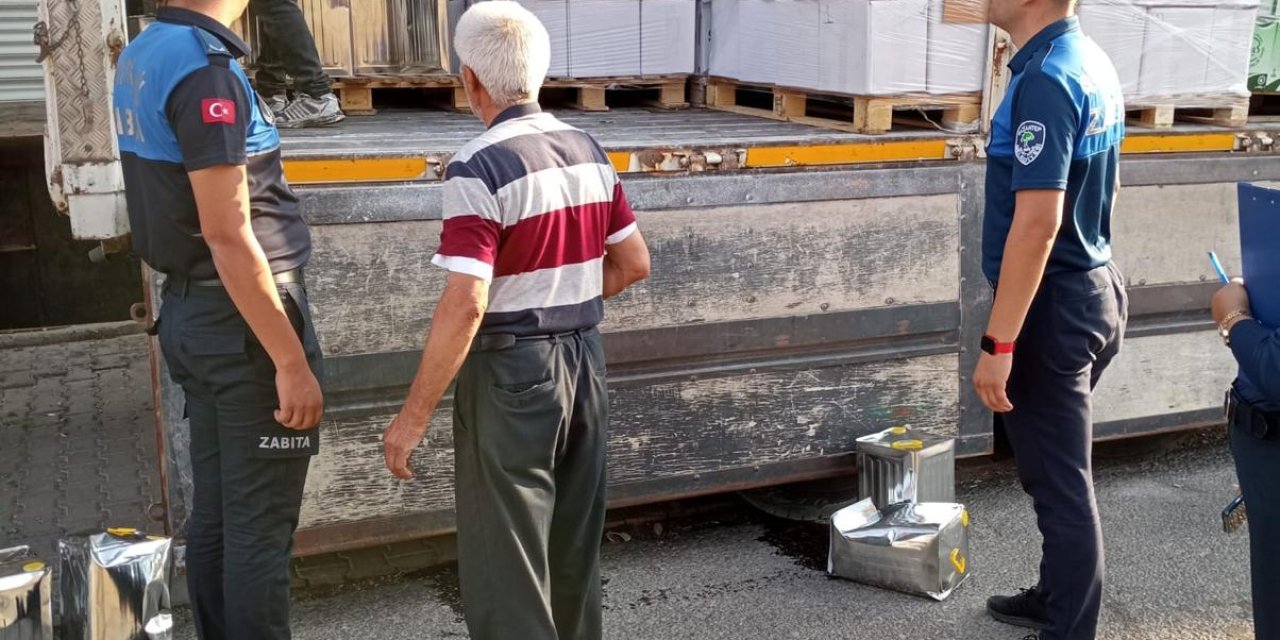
point(734, 573)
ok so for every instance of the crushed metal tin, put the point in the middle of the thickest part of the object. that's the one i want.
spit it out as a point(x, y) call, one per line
point(25, 605)
point(906, 465)
point(114, 584)
point(921, 549)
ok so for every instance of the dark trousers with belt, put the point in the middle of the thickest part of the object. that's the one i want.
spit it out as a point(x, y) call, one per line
point(1258, 468)
point(287, 48)
point(530, 428)
point(247, 470)
point(1073, 330)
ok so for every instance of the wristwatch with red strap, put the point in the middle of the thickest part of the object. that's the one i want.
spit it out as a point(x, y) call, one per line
point(997, 348)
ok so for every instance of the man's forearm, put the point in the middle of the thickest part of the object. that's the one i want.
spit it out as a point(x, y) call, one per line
point(453, 327)
point(1025, 255)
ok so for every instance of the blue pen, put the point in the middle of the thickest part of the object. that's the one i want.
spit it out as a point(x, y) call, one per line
point(1217, 266)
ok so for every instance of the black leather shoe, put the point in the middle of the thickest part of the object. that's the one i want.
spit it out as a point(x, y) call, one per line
point(1023, 610)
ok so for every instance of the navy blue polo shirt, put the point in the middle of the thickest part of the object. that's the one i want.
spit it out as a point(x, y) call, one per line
point(182, 104)
point(1060, 127)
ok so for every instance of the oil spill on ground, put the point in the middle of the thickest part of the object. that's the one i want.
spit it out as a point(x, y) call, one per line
point(806, 543)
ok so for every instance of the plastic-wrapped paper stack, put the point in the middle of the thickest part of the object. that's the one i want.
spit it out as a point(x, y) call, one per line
point(610, 38)
point(1172, 50)
point(115, 586)
point(25, 611)
point(856, 47)
point(918, 548)
point(1264, 63)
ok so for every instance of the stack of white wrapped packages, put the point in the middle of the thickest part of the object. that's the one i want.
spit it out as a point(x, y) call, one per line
point(611, 38)
point(855, 47)
point(1179, 52)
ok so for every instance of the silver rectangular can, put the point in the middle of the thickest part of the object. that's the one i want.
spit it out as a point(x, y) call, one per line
point(113, 584)
point(26, 611)
point(905, 465)
point(921, 549)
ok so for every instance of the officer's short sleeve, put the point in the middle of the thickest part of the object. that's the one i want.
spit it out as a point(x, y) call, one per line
point(1046, 122)
point(209, 112)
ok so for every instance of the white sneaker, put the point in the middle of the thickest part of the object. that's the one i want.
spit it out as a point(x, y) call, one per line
point(277, 103)
point(306, 111)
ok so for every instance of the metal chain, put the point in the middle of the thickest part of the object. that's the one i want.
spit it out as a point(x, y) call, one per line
point(41, 33)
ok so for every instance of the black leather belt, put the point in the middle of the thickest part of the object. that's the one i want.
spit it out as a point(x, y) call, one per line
point(504, 341)
point(291, 276)
point(1264, 425)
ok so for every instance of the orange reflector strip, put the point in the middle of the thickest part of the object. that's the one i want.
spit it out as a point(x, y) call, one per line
point(850, 153)
point(1175, 143)
point(348, 170)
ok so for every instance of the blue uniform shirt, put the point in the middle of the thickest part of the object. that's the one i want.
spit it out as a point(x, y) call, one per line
point(1257, 349)
point(1060, 127)
point(183, 103)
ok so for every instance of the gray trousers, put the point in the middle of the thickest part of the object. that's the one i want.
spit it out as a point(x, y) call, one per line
point(248, 471)
point(530, 429)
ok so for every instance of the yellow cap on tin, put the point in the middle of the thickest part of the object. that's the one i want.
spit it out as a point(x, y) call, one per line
point(32, 567)
point(908, 445)
point(898, 431)
point(122, 532)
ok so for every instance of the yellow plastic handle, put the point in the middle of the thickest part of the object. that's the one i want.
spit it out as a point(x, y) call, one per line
point(958, 561)
point(907, 445)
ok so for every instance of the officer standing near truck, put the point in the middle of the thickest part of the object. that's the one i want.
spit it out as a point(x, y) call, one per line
point(1060, 305)
point(209, 207)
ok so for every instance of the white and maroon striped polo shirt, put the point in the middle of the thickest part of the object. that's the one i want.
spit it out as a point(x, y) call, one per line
point(530, 205)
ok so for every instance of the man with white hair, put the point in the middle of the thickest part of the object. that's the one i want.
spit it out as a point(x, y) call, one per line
point(537, 233)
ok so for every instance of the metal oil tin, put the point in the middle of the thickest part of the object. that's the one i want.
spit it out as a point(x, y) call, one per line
point(25, 605)
point(905, 465)
point(921, 549)
point(113, 584)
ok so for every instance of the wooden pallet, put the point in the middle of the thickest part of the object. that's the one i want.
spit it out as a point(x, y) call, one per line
point(356, 94)
point(1226, 112)
point(593, 94)
point(855, 114)
point(586, 94)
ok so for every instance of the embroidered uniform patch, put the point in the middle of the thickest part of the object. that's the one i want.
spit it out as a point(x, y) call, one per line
point(1028, 142)
point(218, 110)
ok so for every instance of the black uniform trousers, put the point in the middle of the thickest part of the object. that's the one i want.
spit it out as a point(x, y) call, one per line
point(1074, 328)
point(1258, 469)
point(287, 48)
point(248, 471)
point(530, 429)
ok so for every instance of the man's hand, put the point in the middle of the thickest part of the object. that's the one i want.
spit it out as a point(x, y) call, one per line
point(1230, 299)
point(398, 442)
point(989, 380)
point(301, 401)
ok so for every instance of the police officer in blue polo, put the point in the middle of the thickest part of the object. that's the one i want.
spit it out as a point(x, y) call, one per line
point(210, 208)
point(1253, 421)
point(1060, 307)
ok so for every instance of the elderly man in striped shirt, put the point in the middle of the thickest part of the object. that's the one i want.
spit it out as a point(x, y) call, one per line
point(537, 233)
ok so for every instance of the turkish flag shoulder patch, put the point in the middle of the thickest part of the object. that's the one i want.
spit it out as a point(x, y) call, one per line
point(218, 111)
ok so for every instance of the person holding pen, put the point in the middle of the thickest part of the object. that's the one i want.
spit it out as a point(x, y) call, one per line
point(1253, 421)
